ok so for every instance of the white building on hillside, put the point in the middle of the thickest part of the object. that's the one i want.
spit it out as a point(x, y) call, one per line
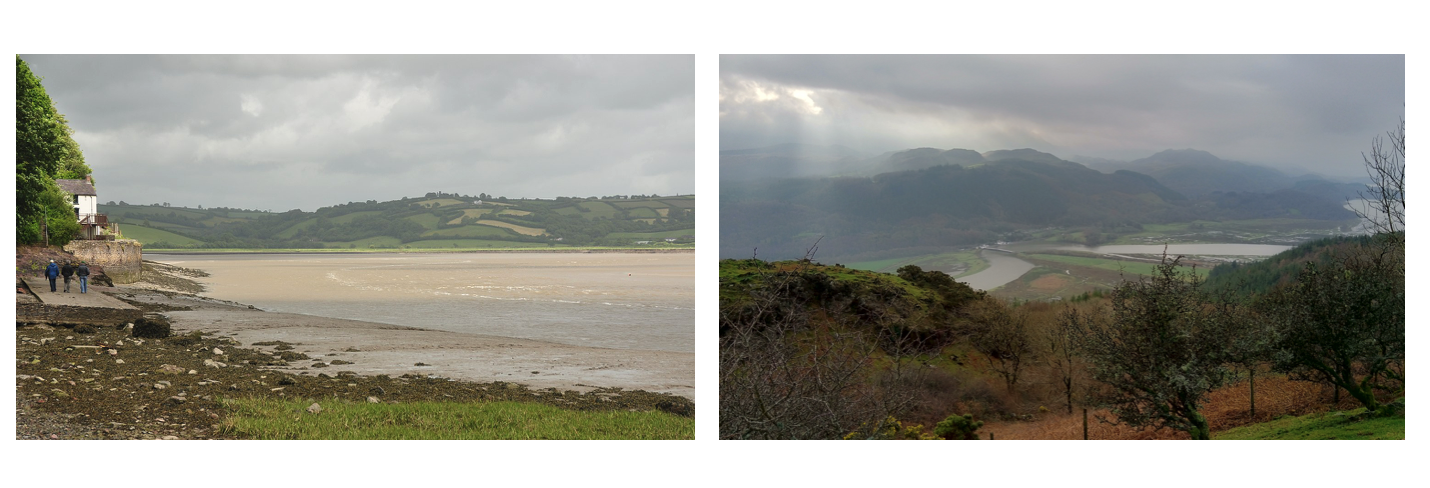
point(86, 207)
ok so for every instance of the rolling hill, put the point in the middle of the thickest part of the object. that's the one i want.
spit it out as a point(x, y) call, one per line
point(435, 221)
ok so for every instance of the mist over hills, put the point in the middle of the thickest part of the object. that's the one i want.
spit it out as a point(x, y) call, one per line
point(928, 197)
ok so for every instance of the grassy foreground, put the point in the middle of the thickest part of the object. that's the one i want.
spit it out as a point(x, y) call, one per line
point(1326, 425)
point(265, 418)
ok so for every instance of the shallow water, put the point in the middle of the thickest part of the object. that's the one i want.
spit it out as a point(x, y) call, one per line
point(614, 300)
point(1002, 268)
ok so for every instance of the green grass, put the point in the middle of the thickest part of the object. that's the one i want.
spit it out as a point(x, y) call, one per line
point(426, 220)
point(370, 242)
point(599, 209)
point(654, 235)
point(1328, 425)
point(348, 217)
point(472, 244)
point(470, 231)
point(642, 213)
point(293, 229)
point(969, 261)
point(1128, 267)
point(147, 235)
point(288, 419)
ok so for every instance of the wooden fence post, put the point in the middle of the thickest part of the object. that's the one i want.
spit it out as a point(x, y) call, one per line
point(1084, 424)
point(1252, 375)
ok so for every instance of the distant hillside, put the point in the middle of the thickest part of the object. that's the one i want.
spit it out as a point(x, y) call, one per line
point(1262, 276)
point(937, 206)
point(435, 221)
point(1197, 173)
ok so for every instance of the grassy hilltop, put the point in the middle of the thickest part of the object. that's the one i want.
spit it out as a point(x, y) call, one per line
point(435, 221)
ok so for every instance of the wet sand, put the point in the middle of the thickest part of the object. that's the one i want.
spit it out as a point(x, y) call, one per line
point(376, 348)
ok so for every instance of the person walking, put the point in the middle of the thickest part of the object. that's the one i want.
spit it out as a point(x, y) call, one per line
point(68, 271)
point(52, 272)
point(83, 274)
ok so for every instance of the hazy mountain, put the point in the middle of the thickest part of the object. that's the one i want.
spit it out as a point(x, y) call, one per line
point(943, 205)
point(1196, 173)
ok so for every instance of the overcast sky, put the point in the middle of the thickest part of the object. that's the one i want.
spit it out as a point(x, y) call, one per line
point(284, 132)
point(1302, 111)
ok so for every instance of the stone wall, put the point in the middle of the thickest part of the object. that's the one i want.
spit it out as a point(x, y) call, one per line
point(122, 259)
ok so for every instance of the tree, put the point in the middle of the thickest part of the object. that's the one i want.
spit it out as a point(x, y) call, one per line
point(1002, 335)
point(1162, 347)
point(1384, 197)
point(1345, 322)
point(40, 150)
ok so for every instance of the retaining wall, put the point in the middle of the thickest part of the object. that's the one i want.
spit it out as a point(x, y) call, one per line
point(122, 259)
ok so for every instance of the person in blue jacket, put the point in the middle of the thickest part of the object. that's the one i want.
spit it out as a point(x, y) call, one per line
point(52, 272)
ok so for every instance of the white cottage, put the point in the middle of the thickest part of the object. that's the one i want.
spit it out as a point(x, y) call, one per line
point(86, 207)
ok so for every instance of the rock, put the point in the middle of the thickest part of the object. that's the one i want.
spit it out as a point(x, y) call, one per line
point(420, 364)
point(193, 371)
point(171, 438)
point(177, 399)
point(210, 363)
point(151, 327)
point(233, 387)
point(118, 361)
point(286, 380)
point(373, 399)
point(218, 351)
point(314, 408)
point(170, 369)
point(159, 386)
point(113, 352)
point(319, 364)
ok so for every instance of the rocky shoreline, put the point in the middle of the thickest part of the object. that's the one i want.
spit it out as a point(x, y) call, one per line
point(103, 383)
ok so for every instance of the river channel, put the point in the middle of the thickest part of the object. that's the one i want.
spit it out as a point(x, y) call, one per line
point(1003, 267)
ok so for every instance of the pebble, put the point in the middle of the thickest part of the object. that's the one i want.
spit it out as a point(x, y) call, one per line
point(314, 408)
point(218, 351)
point(372, 399)
point(159, 386)
point(118, 361)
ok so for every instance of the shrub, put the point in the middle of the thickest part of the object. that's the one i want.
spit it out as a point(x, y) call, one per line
point(958, 427)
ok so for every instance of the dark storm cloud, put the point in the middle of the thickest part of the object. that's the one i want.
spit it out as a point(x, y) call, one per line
point(1304, 111)
point(285, 132)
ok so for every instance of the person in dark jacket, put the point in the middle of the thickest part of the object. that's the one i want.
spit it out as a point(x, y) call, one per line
point(52, 272)
point(68, 271)
point(83, 274)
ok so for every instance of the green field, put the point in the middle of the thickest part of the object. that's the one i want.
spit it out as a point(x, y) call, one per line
point(148, 235)
point(640, 204)
point(472, 244)
point(470, 231)
point(272, 419)
point(642, 213)
point(371, 242)
point(1127, 267)
point(426, 220)
point(599, 209)
point(963, 262)
point(293, 229)
point(345, 218)
point(1327, 425)
point(654, 235)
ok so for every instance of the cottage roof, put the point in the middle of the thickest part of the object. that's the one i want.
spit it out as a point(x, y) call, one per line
point(76, 187)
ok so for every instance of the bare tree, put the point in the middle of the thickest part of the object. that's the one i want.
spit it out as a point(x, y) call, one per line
point(1004, 337)
point(1384, 198)
point(1062, 357)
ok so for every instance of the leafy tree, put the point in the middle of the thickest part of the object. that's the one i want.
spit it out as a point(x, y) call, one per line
point(1345, 322)
point(958, 428)
point(40, 151)
point(1162, 347)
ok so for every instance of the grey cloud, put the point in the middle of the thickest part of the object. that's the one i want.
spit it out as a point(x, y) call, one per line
point(376, 127)
point(1315, 112)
